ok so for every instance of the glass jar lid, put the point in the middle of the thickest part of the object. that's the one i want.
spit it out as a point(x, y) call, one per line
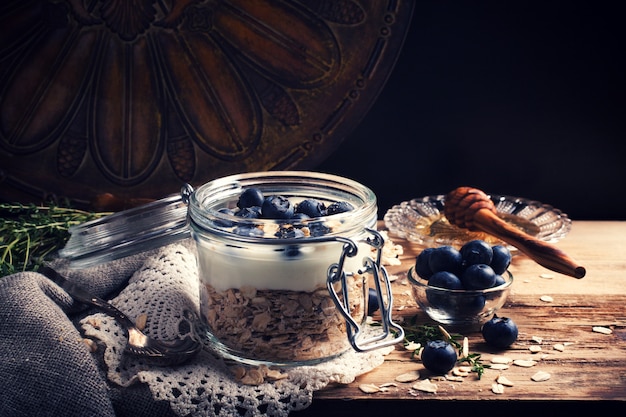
point(128, 232)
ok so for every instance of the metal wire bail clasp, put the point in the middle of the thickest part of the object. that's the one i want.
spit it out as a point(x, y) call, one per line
point(336, 273)
point(185, 193)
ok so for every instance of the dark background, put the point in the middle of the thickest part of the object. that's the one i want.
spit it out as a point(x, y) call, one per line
point(523, 98)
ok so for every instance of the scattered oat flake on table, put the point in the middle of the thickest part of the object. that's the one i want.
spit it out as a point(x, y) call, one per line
point(140, 321)
point(426, 386)
point(465, 351)
point(537, 339)
point(497, 388)
point(273, 374)
point(499, 366)
point(369, 388)
point(253, 376)
point(91, 345)
point(601, 329)
point(524, 363)
point(502, 380)
point(546, 276)
point(408, 376)
point(412, 346)
point(501, 359)
point(559, 346)
point(534, 348)
point(454, 378)
point(546, 298)
point(444, 333)
point(540, 376)
point(459, 372)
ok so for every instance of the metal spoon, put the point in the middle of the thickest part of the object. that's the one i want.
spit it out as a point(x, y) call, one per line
point(160, 352)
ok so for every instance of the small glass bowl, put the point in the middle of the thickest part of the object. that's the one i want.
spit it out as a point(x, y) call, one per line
point(462, 309)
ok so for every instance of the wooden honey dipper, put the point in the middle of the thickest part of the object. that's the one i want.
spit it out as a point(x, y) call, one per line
point(472, 209)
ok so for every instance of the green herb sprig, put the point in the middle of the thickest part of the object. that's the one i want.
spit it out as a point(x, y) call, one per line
point(473, 360)
point(30, 234)
point(423, 333)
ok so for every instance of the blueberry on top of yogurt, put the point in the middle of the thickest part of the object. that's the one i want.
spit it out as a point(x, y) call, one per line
point(276, 207)
point(250, 197)
point(311, 207)
point(252, 203)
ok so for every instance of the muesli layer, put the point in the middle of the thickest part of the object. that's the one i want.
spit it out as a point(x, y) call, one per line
point(281, 325)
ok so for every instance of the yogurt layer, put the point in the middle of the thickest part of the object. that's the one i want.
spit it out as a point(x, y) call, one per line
point(302, 267)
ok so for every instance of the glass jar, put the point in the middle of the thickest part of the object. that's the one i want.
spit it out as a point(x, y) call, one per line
point(269, 297)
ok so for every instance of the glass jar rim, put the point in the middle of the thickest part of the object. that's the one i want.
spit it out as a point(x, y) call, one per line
point(206, 201)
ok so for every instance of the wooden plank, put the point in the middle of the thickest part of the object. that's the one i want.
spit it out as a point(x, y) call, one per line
point(588, 376)
point(592, 367)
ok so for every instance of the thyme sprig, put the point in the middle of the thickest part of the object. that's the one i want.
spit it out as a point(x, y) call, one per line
point(30, 234)
point(423, 333)
point(475, 362)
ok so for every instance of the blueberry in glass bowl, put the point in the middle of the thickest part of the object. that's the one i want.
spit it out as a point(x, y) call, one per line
point(459, 307)
point(464, 296)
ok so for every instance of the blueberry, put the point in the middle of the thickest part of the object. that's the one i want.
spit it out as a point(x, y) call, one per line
point(311, 207)
point(422, 269)
point(499, 332)
point(501, 259)
point(292, 251)
point(276, 207)
point(372, 302)
point(300, 216)
point(248, 230)
point(222, 222)
point(445, 258)
point(440, 299)
point(476, 252)
point(469, 305)
point(250, 197)
point(499, 280)
point(439, 356)
point(253, 212)
point(445, 279)
point(318, 229)
point(338, 207)
point(478, 277)
point(289, 232)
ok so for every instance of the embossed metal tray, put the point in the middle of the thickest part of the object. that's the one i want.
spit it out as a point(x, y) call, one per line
point(137, 102)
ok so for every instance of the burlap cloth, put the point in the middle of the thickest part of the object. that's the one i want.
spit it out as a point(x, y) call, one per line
point(47, 368)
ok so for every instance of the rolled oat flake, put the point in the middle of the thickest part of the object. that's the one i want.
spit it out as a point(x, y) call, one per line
point(540, 376)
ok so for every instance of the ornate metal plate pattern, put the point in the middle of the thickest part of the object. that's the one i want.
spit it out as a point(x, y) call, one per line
point(136, 97)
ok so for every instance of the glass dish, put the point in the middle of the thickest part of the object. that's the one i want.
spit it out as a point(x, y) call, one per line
point(459, 309)
point(421, 221)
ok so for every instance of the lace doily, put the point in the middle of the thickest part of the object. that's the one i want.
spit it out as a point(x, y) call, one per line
point(161, 290)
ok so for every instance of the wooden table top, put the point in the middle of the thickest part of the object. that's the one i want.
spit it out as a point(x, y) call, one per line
point(591, 367)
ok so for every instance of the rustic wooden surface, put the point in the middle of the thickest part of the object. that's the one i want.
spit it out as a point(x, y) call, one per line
point(592, 366)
